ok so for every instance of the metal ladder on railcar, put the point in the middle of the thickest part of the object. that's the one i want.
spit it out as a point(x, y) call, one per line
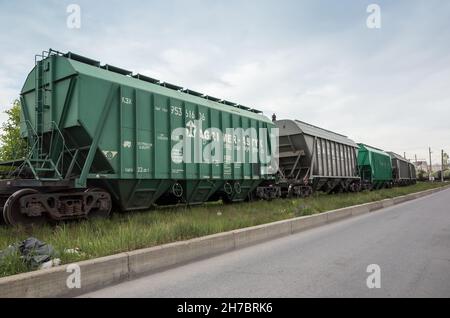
point(41, 163)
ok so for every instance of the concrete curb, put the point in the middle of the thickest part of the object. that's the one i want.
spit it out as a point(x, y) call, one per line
point(104, 271)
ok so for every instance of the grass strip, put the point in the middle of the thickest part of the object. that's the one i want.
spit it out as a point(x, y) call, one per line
point(131, 231)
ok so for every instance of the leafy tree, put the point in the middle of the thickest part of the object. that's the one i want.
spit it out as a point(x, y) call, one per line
point(422, 175)
point(11, 145)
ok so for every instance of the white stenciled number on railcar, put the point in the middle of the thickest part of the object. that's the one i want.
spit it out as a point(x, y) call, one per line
point(176, 111)
point(190, 114)
point(126, 100)
point(127, 144)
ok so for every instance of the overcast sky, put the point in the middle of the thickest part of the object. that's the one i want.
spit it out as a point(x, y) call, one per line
point(316, 61)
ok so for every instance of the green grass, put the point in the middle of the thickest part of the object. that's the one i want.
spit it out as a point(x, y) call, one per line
point(130, 231)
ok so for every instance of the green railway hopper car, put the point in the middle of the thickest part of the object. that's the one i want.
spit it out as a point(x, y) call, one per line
point(375, 167)
point(100, 135)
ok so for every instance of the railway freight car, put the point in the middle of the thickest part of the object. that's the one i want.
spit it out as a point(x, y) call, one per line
point(99, 135)
point(313, 159)
point(403, 171)
point(375, 167)
point(438, 175)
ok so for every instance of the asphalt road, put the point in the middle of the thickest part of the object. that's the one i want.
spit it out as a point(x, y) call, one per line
point(410, 242)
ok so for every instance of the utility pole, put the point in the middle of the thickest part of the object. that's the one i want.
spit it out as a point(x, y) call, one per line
point(415, 158)
point(431, 168)
point(404, 155)
point(442, 165)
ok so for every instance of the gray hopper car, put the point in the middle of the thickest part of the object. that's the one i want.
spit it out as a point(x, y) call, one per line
point(403, 171)
point(314, 159)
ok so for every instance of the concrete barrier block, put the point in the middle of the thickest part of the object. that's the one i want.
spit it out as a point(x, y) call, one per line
point(339, 214)
point(157, 258)
point(409, 197)
point(373, 206)
point(398, 200)
point(386, 203)
point(420, 195)
point(104, 271)
point(255, 234)
point(306, 222)
point(94, 273)
point(46, 283)
point(360, 209)
point(210, 245)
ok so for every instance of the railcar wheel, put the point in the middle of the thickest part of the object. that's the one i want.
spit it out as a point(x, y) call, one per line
point(11, 210)
point(105, 208)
